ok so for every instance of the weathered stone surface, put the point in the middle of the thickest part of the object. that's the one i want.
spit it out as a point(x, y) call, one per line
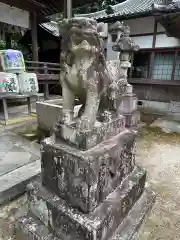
point(14, 183)
point(126, 104)
point(85, 139)
point(83, 69)
point(99, 224)
point(30, 228)
point(132, 119)
point(128, 230)
point(19, 164)
point(85, 178)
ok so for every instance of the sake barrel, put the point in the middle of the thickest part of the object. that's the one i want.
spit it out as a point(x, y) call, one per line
point(28, 82)
point(11, 61)
point(8, 83)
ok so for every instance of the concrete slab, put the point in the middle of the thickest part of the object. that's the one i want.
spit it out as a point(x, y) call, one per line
point(14, 182)
point(19, 164)
point(15, 158)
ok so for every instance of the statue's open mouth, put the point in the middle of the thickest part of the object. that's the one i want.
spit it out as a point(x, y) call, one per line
point(85, 46)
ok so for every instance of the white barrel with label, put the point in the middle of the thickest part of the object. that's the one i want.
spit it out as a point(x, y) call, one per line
point(11, 61)
point(8, 83)
point(28, 83)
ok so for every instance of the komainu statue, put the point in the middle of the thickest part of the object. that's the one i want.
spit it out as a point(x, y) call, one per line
point(83, 71)
point(90, 187)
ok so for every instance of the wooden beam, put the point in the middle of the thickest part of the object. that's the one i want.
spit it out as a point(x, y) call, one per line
point(153, 46)
point(8, 40)
point(148, 81)
point(25, 5)
point(174, 65)
point(154, 34)
point(65, 9)
point(131, 69)
point(146, 34)
point(33, 20)
point(151, 64)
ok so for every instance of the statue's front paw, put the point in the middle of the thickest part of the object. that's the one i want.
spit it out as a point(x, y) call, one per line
point(67, 117)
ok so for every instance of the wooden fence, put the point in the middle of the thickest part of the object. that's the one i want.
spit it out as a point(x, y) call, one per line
point(47, 73)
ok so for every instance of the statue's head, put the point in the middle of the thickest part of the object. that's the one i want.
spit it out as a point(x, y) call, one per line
point(80, 36)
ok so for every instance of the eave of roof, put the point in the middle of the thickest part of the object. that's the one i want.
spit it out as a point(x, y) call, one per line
point(51, 27)
point(125, 9)
point(44, 8)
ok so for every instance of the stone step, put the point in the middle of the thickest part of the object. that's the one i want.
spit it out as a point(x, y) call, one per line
point(30, 228)
point(129, 229)
point(100, 224)
point(14, 182)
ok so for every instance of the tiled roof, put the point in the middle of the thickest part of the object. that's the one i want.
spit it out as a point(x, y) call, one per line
point(51, 27)
point(127, 8)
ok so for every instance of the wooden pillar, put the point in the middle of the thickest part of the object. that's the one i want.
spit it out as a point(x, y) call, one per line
point(131, 69)
point(153, 46)
point(174, 64)
point(46, 86)
point(154, 34)
point(33, 19)
point(68, 8)
point(8, 40)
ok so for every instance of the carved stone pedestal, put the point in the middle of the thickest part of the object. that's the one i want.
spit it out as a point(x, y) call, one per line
point(97, 193)
point(127, 106)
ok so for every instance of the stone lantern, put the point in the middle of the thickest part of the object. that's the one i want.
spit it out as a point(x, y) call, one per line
point(126, 102)
point(125, 46)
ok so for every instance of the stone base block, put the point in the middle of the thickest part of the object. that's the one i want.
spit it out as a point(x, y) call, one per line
point(100, 224)
point(30, 228)
point(86, 139)
point(126, 104)
point(132, 119)
point(85, 178)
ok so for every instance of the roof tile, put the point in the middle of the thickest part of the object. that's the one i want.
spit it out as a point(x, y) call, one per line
point(126, 8)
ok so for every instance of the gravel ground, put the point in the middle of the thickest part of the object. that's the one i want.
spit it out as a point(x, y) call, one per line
point(160, 155)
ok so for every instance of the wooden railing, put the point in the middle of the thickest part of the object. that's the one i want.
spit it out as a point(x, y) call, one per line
point(47, 73)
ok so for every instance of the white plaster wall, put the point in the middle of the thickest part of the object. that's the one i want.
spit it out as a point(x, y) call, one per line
point(142, 25)
point(144, 42)
point(111, 55)
point(163, 41)
point(14, 16)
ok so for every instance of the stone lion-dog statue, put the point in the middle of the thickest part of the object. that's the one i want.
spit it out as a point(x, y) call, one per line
point(83, 70)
